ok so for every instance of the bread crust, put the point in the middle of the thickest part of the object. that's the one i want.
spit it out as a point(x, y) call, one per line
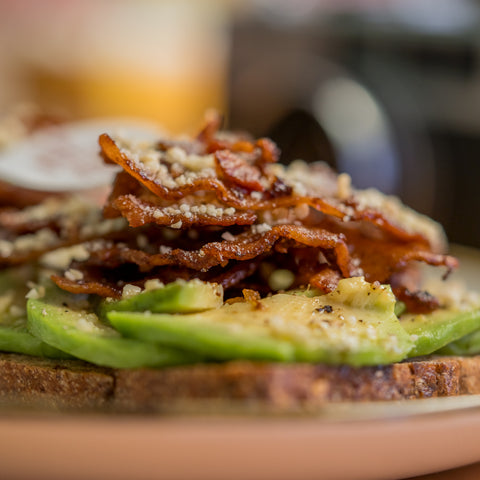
point(54, 384)
point(76, 385)
point(293, 386)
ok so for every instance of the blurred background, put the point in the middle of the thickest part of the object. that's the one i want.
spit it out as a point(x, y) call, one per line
point(387, 91)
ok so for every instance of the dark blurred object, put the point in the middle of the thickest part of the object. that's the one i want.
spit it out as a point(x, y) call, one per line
point(396, 87)
point(299, 135)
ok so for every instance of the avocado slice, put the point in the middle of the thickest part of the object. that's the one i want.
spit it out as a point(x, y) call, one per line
point(306, 292)
point(176, 297)
point(435, 330)
point(15, 338)
point(14, 335)
point(353, 325)
point(467, 345)
point(66, 322)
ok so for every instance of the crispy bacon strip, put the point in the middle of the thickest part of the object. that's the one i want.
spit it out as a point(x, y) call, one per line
point(26, 234)
point(326, 279)
point(213, 123)
point(19, 197)
point(236, 274)
point(243, 247)
point(112, 152)
point(238, 171)
point(140, 212)
point(103, 289)
point(252, 297)
point(376, 218)
point(12, 221)
point(110, 282)
point(270, 153)
point(264, 149)
point(419, 301)
point(380, 260)
point(123, 184)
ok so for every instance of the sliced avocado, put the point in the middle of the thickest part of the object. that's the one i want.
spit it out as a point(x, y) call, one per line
point(177, 297)
point(20, 340)
point(467, 345)
point(354, 325)
point(306, 292)
point(437, 329)
point(400, 308)
point(14, 335)
point(65, 322)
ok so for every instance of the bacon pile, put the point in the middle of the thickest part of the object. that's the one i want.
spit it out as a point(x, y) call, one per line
point(28, 232)
point(220, 207)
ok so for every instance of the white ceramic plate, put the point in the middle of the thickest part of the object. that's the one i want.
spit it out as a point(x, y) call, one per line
point(399, 445)
point(31, 161)
point(348, 441)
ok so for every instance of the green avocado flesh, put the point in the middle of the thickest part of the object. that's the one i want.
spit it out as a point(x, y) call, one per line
point(65, 322)
point(435, 330)
point(467, 345)
point(355, 325)
point(186, 322)
point(14, 335)
point(176, 297)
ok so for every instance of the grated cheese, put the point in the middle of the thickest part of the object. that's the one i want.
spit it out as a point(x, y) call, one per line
point(130, 290)
point(36, 292)
point(261, 228)
point(73, 275)
point(153, 284)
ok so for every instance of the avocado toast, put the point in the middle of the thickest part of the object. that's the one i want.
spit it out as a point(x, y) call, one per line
point(214, 273)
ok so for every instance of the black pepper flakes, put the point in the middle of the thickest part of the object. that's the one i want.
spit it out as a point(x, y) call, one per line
point(325, 309)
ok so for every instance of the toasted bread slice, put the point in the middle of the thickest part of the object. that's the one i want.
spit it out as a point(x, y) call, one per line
point(53, 384)
point(294, 386)
point(75, 385)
